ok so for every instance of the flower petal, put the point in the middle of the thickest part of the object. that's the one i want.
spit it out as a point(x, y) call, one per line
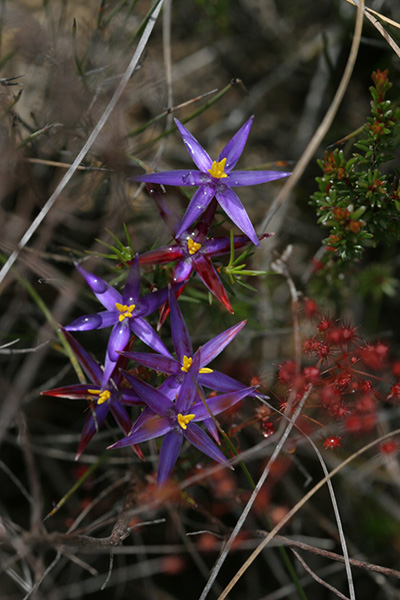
point(235, 146)
point(212, 429)
point(158, 362)
point(124, 422)
point(218, 404)
point(180, 335)
point(118, 339)
point(230, 203)
point(80, 391)
point(91, 426)
point(181, 177)
point(187, 390)
point(204, 223)
point(220, 382)
point(144, 416)
point(209, 276)
point(97, 321)
point(104, 292)
point(88, 364)
point(121, 417)
point(149, 303)
point(202, 442)
point(168, 213)
point(150, 396)
point(214, 347)
point(199, 156)
point(198, 204)
point(161, 256)
point(169, 452)
point(146, 333)
point(153, 428)
point(183, 270)
point(242, 178)
point(130, 398)
point(132, 286)
point(170, 386)
point(222, 245)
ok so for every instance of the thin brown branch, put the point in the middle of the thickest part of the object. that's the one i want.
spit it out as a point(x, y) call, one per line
point(318, 579)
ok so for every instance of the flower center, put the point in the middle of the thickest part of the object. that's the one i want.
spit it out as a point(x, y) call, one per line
point(183, 420)
point(193, 246)
point(217, 169)
point(187, 363)
point(126, 311)
point(103, 396)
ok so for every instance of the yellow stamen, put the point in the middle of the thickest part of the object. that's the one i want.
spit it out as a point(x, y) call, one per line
point(126, 311)
point(183, 420)
point(193, 246)
point(187, 363)
point(217, 169)
point(103, 396)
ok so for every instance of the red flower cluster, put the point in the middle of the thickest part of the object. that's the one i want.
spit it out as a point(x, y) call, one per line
point(347, 379)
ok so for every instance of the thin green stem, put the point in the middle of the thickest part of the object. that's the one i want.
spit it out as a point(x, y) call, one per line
point(78, 484)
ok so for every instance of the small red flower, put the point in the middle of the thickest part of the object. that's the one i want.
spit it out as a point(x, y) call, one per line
point(394, 392)
point(287, 372)
point(310, 308)
point(310, 346)
point(325, 324)
point(311, 374)
point(353, 423)
point(366, 404)
point(396, 368)
point(332, 442)
point(343, 380)
point(389, 447)
point(374, 356)
point(323, 350)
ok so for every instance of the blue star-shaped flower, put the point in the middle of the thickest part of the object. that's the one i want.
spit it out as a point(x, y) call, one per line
point(125, 312)
point(215, 178)
point(193, 249)
point(111, 397)
point(177, 419)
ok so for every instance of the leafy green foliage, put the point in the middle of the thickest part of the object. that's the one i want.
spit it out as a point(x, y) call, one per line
point(358, 198)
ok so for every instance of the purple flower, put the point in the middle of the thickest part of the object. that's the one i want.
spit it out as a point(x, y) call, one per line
point(103, 398)
point(193, 250)
point(215, 178)
point(124, 312)
point(176, 420)
point(182, 367)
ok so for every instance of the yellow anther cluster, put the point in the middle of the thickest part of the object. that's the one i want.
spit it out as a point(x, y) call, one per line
point(183, 420)
point(218, 169)
point(126, 311)
point(193, 246)
point(103, 396)
point(187, 363)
